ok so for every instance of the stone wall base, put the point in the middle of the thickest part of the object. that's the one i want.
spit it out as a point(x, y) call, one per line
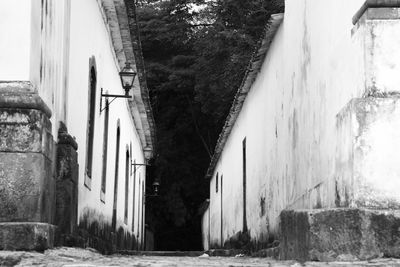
point(26, 236)
point(339, 234)
point(27, 186)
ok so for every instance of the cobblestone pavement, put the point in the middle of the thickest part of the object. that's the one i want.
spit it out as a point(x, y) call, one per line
point(71, 257)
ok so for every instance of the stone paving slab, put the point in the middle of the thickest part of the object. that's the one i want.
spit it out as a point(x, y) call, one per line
point(161, 253)
point(72, 257)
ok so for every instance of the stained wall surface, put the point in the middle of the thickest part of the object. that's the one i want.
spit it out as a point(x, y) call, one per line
point(289, 120)
point(51, 46)
point(90, 39)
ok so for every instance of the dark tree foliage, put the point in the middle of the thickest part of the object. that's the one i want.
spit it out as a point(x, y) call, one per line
point(195, 61)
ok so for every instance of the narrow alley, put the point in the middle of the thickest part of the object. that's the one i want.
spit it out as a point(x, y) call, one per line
point(199, 133)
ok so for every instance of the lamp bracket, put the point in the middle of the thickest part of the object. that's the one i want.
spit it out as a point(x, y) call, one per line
point(110, 95)
point(138, 164)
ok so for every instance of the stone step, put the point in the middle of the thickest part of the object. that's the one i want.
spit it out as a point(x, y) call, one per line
point(341, 234)
point(267, 253)
point(26, 236)
point(226, 252)
point(161, 253)
point(211, 252)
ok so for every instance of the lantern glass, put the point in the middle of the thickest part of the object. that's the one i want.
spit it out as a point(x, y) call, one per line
point(147, 152)
point(127, 75)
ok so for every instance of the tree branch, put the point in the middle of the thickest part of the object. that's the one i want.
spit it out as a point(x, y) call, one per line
point(197, 127)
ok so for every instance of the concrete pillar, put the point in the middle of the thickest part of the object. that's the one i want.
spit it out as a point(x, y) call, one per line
point(26, 169)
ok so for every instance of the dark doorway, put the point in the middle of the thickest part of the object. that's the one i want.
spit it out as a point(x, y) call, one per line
point(244, 186)
point(126, 186)
point(114, 217)
point(222, 211)
point(142, 203)
point(105, 151)
point(134, 195)
point(138, 221)
point(91, 122)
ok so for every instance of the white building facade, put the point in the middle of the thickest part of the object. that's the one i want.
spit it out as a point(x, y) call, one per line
point(86, 153)
point(313, 126)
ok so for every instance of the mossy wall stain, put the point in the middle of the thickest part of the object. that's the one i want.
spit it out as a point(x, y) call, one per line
point(95, 230)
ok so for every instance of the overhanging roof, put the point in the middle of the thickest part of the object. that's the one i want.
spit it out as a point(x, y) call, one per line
point(252, 71)
point(120, 17)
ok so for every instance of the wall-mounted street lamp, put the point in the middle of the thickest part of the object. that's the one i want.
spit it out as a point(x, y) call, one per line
point(127, 76)
point(138, 164)
point(147, 150)
point(156, 185)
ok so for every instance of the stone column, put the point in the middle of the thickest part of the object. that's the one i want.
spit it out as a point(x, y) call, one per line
point(67, 169)
point(26, 169)
point(367, 221)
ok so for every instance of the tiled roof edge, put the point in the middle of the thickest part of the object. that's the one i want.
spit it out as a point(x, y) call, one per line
point(252, 71)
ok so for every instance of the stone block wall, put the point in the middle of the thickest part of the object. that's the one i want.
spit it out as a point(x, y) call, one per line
point(27, 187)
point(339, 234)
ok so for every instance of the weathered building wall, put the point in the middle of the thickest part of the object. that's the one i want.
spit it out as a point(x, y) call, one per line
point(90, 39)
point(289, 120)
point(59, 55)
point(27, 171)
point(36, 46)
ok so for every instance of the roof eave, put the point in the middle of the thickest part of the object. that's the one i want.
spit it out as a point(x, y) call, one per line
point(120, 18)
point(251, 74)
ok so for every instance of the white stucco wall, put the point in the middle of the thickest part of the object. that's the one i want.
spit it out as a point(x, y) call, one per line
point(311, 72)
point(377, 31)
point(89, 37)
point(34, 48)
point(48, 43)
point(15, 41)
